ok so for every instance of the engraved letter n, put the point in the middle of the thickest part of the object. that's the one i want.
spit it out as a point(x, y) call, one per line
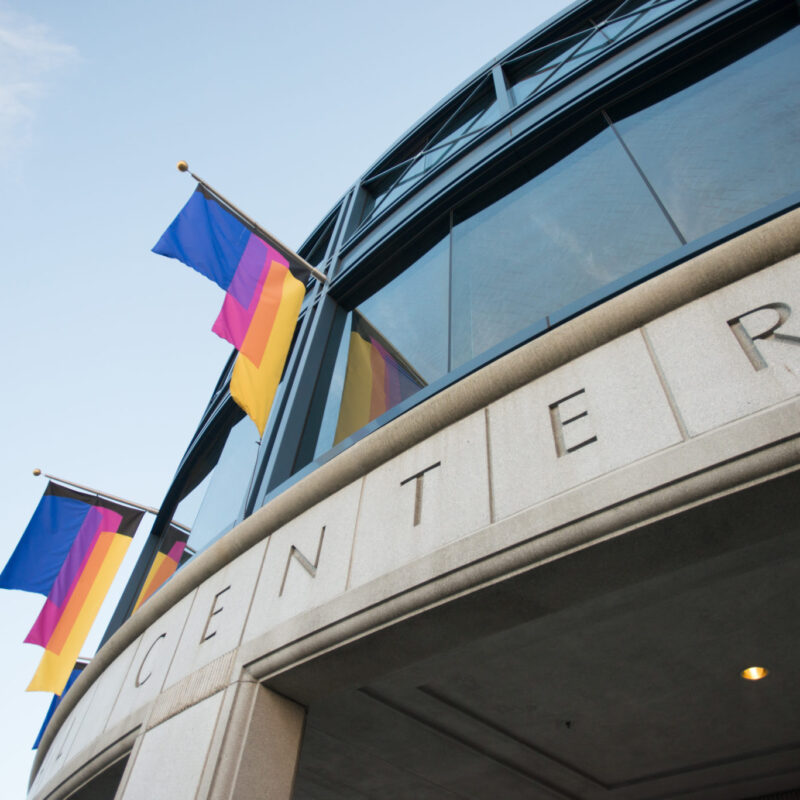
point(308, 566)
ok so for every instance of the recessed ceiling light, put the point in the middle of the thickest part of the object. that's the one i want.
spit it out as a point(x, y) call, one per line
point(754, 673)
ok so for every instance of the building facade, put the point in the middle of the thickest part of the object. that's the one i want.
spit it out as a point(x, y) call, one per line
point(525, 507)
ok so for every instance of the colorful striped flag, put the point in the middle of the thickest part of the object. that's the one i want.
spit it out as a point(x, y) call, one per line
point(70, 552)
point(167, 560)
point(262, 300)
point(377, 378)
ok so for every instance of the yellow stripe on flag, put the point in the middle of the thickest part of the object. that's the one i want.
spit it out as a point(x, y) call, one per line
point(146, 589)
point(55, 668)
point(253, 388)
point(354, 410)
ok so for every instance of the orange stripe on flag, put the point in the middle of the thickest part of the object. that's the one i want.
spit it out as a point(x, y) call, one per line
point(148, 587)
point(258, 332)
point(55, 668)
point(165, 570)
point(253, 387)
point(82, 588)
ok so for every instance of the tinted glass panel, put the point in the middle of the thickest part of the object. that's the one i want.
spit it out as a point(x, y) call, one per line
point(330, 414)
point(392, 194)
point(377, 189)
point(399, 332)
point(219, 483)
point(411, 312)
point(535, 245)
point(614, 29)
point(476, 114)
point(609, 32)
point(727, 145)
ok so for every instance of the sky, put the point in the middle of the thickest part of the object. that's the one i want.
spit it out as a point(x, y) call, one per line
point(108, 359)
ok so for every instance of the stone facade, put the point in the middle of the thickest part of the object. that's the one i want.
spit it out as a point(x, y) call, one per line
point(682, 390)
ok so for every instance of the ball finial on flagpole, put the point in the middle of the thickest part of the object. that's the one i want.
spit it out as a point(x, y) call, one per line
point(183, 166)
point(37, 472)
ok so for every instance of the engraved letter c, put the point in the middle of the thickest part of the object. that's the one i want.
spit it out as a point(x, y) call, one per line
point(139, 679)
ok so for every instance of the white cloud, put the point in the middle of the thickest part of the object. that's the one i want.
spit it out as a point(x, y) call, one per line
point(30, 57)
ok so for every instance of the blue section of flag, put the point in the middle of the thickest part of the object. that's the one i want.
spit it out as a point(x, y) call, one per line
point(54, 704)
point(205, 237)
point(37, 559)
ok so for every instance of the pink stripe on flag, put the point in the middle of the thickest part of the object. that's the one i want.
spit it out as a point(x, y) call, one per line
point(45, 624)
point(176, 551)
point(234, 319)
point(97, 520)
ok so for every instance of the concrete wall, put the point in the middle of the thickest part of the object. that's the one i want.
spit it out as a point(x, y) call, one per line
point(683, 387)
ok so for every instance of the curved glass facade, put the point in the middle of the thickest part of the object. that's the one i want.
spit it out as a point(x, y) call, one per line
point(615, 142)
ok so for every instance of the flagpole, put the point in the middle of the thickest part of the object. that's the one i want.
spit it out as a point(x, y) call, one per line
point(116, 499)
point(264, 234)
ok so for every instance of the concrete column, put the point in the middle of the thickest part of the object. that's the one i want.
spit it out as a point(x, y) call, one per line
point(240, 743)
point(260, 750)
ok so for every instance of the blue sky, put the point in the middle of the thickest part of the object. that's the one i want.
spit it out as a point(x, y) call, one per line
point(108, 358)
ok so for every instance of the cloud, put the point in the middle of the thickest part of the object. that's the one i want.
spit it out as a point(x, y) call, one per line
point(30, 57)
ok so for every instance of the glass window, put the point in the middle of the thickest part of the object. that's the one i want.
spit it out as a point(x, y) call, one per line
point(378, 377)
point(411, 312)
point(218, 482)
point(527, 73)
point(717, 140)
point(480, 111)
point(393, 344)
point(457, 125)
point(552, 234)
point(379, 188)
point(333, 398)
point(724, 145)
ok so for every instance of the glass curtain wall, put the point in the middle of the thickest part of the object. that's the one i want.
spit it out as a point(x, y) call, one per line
point(393, 344)
point(718, 148)
point(563, 227)
point(702, 149)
